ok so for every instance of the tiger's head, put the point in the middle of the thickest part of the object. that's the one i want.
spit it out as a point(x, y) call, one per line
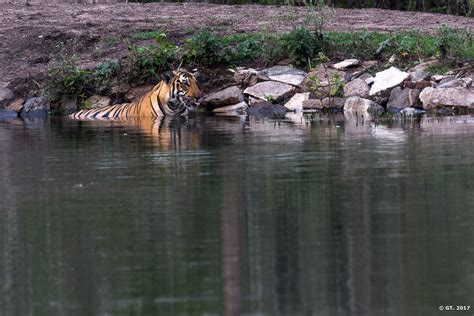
point(184, 91)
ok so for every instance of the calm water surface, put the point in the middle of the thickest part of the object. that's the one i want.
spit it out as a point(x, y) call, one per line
point(237, 216)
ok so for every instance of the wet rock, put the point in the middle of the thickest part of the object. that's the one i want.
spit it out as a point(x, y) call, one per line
point(334, 103)
point(411, 111)
point(5, 96)
point(435, 98)
point(16, 105)
point(98, 101)
point(67, 105)
point(296, 102)
point(387, 80)
point(245, 77)
point(361, 105)
point(313, 104)
point(403, 98)
point(7, 114)
point(228, 96)
point(420, 72)
point(267, 109)
point(285, 74)
point(35, 107)
point(136, 93)
point(346, 64)
point(356, 88)
point(234, 108)
point(438, 78)
point(270, 90)
point(454, 83)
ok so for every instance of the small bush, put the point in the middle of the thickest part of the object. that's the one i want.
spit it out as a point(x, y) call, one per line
point(104, 74)
point(455, 45)
point(301, 45)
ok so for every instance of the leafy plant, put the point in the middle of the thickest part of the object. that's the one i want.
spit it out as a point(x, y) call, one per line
point(104, 74)
point(300, 45)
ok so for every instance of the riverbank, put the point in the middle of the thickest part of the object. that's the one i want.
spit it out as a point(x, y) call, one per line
point(82, 51)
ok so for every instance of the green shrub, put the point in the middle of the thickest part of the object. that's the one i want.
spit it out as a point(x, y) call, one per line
point(455, 45)
point(300, 45)
point(104, 74)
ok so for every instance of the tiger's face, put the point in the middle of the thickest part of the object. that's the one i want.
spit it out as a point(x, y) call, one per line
point(184, 90)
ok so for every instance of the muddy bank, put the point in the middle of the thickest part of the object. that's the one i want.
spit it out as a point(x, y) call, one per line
point(29, 34)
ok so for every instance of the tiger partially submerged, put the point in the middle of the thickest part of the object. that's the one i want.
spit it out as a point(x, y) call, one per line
point(174, 95)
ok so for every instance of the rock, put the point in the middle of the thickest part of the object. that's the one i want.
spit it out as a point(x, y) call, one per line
point(7, 114)
point(393, 59)
point(234, 108)
point(434, 98)
point(454, 83)
point(438, 78)
point(369, 64)
point(36, 103)
point(368, 78)
point(386, 80)
point(285, 74)
point(245, 76)
point(357, 88)
point(98, 101)
point(405, 98)
point(67, 105)
point(136, 93)
point(361, 105)
point(411, 111)
point(321, 75)
point(5, 96)
point(334, 103)
point(120, 88)
point(346, 64)
point(296, 102)
point(228, 96)
point(16, 105)
point(419, 75)
point(313, 104)
point(420, 85)
point(270, 90)
point(267, 109)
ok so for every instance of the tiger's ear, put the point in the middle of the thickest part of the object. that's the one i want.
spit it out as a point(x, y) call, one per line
point(167, 77)
point(195, 73)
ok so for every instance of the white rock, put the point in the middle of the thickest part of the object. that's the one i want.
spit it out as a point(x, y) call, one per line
point(346, 63)
point(361, 105)
point(296, 102)
point(387, 79)
point(285, 74)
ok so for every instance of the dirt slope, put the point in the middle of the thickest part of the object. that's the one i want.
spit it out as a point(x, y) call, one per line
point(29, 34)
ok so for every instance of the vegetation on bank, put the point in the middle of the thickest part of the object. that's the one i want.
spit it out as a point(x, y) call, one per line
point(305, 46)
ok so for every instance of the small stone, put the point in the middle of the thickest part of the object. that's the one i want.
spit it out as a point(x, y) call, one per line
point(346, 64)
point(270, 91)
point(356, 87)
point(334, 103)
point(228, 96)
point(98, 101)
point(361, 105)
point(245, 76)
point(16, 105)
point(5, 95)
point(454, 83)
point(369, 64)
point(234, 108)
point(438, 78)
point(393, 59)
point(387, 80)
point(420, 85)
point(296, 102)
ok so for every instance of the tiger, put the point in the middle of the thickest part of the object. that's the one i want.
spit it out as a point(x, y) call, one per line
point(177, 93)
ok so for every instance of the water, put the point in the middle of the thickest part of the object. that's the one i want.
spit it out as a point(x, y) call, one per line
point(237, 216)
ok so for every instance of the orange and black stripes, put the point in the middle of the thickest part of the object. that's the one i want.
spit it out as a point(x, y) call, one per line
point(169, 97)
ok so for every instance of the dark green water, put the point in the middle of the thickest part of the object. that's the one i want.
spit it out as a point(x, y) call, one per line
point(235, 216)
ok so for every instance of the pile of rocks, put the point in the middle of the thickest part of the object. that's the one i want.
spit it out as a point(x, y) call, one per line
point(392, 90)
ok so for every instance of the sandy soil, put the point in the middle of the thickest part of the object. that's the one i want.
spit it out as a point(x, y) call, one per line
point(29, 34)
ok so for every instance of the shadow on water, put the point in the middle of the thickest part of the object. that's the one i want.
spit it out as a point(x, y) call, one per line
point(308, 215)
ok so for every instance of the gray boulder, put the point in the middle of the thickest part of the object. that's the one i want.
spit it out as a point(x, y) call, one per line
point(234, 108)
point(285, 74)
point(5, 96)
point(313, 104)
point(454, 83)
point(361, 105)
point(400, 99)
point(357, 88)
point(245, 76)
point(228, 96)
point(435, 98)
point(386, 80)
point(36, 107)
point(16, 105)
point(296, 102)
point(334, 103)
point(270, 91)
